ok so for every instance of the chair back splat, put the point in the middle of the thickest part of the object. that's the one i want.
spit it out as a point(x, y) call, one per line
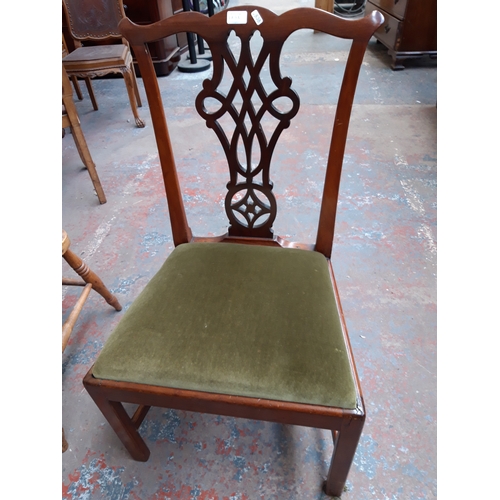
point(250, 204)
point(253, 329)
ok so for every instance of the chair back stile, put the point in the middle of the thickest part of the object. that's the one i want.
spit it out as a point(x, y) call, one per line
point(250, 203)
point(181, 233)
point(329, 202)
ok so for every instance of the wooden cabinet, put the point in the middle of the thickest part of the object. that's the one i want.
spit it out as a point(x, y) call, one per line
point(409, 29)
point(164, 53)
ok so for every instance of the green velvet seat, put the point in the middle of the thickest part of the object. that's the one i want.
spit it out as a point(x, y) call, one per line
point(236, 319)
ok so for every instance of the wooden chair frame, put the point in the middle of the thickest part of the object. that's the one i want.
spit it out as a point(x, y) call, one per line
point(107, 30)
point(74, 79)
point(346, 425)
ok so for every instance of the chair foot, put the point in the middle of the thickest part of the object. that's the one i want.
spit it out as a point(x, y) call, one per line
point(128, 76)
point(334, 497)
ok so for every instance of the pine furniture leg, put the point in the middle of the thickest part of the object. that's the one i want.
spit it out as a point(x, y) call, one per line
point(90, 277)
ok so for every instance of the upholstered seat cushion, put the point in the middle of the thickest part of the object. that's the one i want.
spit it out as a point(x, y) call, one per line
point(236, 319)
point(98, 60)
point(95, 53)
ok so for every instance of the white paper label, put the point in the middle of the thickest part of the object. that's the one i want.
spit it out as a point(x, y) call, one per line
point(237, 17)
point(257, 17)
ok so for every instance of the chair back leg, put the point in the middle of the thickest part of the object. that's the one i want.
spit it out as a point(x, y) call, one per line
point(90, 90)
point(78, 91)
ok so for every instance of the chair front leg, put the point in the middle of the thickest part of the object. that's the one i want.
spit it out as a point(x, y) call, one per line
point(122, 424)
point(129, 82)
point(345, 443)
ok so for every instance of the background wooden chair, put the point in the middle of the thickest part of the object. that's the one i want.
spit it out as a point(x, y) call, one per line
point(246, 324)
point(74, 79)
point(97, 21)
point(70, 119)
point(90, 281)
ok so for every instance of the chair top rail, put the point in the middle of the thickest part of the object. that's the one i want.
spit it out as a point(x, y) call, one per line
point(272, 28)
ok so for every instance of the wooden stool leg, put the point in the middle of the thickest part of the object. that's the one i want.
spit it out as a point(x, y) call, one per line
point(127, 75)
point(345, 443)
point(90, 277)
point(69, 324)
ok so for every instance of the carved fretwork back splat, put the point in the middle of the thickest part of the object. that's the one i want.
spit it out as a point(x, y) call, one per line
point(250, 203)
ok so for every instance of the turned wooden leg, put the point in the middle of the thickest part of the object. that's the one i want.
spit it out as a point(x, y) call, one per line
point(127, 75)
point(90, 90)
point(345, 443)
point(122, 424)
point(90, 277)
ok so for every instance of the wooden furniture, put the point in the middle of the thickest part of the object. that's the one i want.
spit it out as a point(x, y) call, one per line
point(97, 21)
point(324, 5)
point(409, 29)
point(90, 281)
point(246, 324)
point(70, 119)
point(74, 79)
point(165, 53)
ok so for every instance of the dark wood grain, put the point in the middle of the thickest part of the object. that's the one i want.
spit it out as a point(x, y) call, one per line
point(409, 30)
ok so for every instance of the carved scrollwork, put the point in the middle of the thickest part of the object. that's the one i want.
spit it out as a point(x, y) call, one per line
point(250, 204)
point(99, 72)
